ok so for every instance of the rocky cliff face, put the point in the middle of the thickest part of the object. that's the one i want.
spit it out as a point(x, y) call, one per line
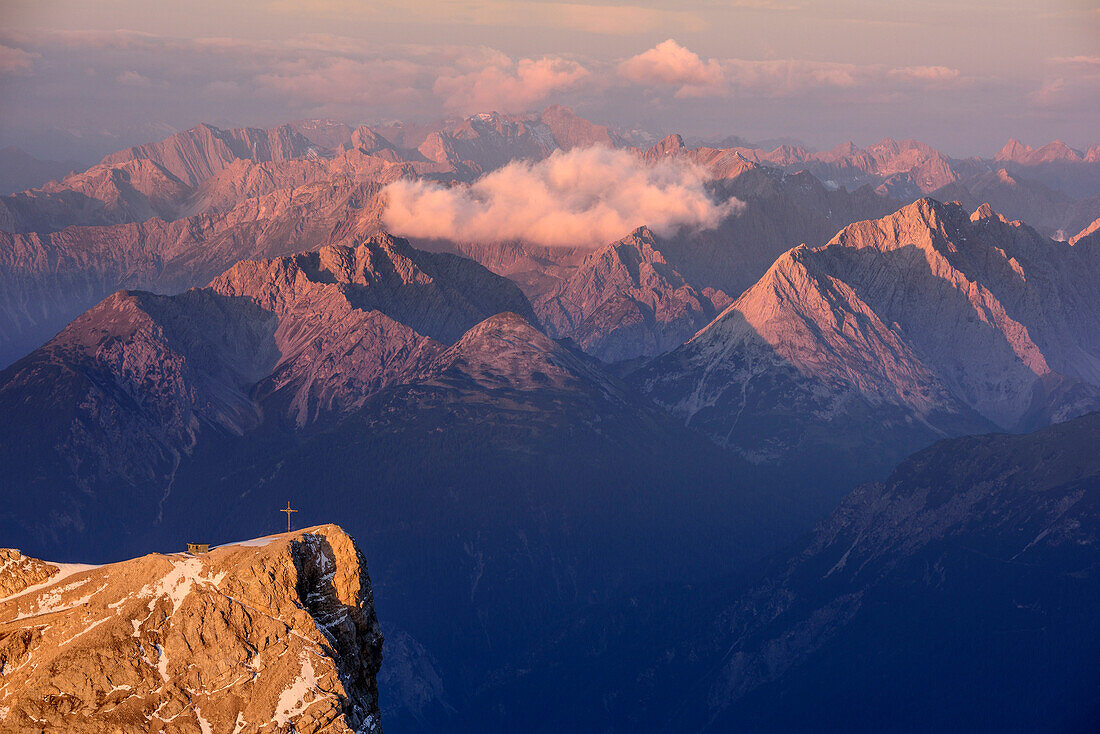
point(274, 634)
point(927, 322)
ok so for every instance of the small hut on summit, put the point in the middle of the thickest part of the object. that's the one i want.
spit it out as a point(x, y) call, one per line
point(194, 548)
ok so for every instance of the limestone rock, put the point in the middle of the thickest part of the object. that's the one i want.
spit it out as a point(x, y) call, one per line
point(276, 634)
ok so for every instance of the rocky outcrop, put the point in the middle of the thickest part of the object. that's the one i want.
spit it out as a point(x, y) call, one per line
point(18, 572)
point(276, 634)
point(1088, 233)
point(927, 322)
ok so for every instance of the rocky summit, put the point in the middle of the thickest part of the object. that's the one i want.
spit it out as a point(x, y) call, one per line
point(276, 634)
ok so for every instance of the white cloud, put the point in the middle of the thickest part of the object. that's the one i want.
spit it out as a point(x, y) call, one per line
point(504, 85)
point(670, 64)
point(584, 197)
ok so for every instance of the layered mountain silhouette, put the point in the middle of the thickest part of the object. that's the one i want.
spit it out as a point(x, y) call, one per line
point(410, 392)
point(965, 577)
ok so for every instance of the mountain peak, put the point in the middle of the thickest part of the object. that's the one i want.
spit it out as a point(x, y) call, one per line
point(985, 211)
point(506, 351)
point(669, 145)
point(1013, 150)
point(273, 630)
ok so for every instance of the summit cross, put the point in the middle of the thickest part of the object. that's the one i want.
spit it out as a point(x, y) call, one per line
point(287, 510)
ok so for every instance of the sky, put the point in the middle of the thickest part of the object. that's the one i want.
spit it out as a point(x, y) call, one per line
point(80, 78)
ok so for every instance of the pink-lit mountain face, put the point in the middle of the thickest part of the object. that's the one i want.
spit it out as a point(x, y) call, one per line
point(563, 460)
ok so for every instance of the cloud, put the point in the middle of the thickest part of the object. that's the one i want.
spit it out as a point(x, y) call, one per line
point(784, 77)
point(670, 64)
point(132, 78)
point(504, 85)
point(582, 198)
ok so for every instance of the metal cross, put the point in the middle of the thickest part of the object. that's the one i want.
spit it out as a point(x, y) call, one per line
point(287, 510)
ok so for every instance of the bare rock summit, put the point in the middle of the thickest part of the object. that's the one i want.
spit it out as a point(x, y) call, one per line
point(276, 634)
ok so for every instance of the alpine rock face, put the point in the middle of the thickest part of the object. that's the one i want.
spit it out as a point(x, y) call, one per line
point(928, 322)
point(273, 634)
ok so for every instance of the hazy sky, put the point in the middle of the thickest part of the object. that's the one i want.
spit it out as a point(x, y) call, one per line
point(82, 77)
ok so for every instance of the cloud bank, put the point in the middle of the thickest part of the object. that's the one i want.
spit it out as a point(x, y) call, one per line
point(668, 65)
point(580, 198)
point(84, 93)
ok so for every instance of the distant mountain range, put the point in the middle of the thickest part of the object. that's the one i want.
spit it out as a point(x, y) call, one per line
point(544, 452)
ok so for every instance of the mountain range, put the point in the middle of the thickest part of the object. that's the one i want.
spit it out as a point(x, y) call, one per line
point(578, 472)
point(926, 323)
